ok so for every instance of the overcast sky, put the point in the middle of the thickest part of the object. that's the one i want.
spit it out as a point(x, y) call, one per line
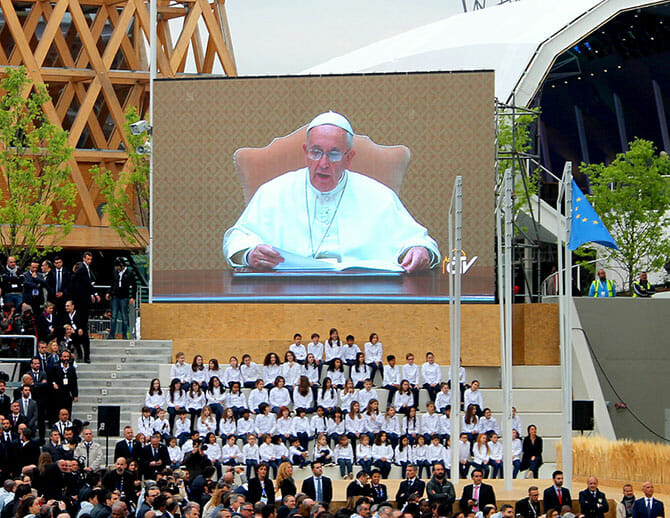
point(288, 36)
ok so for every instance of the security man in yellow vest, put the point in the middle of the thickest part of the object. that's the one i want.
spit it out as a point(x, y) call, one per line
point(602, 286)
point(643, 288)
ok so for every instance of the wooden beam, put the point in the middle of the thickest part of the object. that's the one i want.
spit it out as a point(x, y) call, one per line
point(54, 18)
point(97, 237)
point(33, 72)
point(99, 155)
point(118, 34)
point(216, 36)
point(126, 46)
point(181, 49)
point(143, 16)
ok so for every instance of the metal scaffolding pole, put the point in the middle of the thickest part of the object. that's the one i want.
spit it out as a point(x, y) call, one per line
point(566, 364)
point(506, 342)
point(455, 272)
point(153, 70)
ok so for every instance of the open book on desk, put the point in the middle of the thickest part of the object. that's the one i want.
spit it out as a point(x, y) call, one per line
point(293, 262)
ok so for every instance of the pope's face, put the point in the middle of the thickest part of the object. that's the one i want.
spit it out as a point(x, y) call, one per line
point(324, 174)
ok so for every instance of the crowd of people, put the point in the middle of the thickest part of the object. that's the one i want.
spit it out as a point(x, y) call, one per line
point(332, 402)
point(52, 303)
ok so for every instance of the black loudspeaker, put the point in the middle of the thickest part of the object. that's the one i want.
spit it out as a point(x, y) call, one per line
point(109, 418)
point(582, 416)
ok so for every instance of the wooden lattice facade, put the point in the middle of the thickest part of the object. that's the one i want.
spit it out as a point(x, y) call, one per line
point(93, 56)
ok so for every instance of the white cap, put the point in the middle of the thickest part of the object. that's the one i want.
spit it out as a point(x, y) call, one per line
point(333, 119)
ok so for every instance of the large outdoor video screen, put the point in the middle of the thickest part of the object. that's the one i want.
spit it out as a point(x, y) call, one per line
point(250, 206)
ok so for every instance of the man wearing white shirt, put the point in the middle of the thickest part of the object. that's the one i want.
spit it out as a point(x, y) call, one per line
point(648, 506)
point(431, 373)
point(410, 372)
point(336, 220)
point(392, 378)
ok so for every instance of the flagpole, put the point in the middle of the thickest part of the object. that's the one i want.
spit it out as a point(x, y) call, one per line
point(567, 333)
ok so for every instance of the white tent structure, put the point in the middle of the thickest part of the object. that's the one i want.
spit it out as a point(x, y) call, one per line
point(519, 40)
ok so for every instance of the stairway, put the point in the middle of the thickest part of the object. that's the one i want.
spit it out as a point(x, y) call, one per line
point(119, 374)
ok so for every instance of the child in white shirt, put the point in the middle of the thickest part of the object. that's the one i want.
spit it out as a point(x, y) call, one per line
point(175, 453)
point(322, 453)
point(347, 396)
point(364, 454)
point(145, 423)
point(430, 422)
point(496, 456)
point(344, 457)
point(403, 454)
point(392, 378)
point(373, 355)
point(359, 371)
point(410, 372)
point(443, 398)
point(301, 429)
point(250, 372)
point(473, 396)
point(419, 456)
point(382, 454)
point(333, 347)
point(349, 353)
point(431, 373)
point(251, 454)
point(162, 425)
point(230, 452)
point(298, 349)
point(488, 424)
point(180, 369)
point(245, 425)
point(367, 394)
point(227, 424)
point(298, 454)
point(257, 396)
point(182, 426)
point(233, 373)
point(316, 348)
point(391, 425)
point(336, 373)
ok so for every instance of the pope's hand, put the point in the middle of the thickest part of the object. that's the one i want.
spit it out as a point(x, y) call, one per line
point(416, 258)
point(264, 257)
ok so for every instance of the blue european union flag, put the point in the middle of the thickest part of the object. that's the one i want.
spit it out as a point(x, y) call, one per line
point(586, 224)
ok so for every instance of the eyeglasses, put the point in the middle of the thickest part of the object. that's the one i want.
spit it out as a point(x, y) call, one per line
point(333, 156)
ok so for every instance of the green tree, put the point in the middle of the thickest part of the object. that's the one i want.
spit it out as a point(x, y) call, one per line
point(127, 213)
point(633, 200)
point(37, 191)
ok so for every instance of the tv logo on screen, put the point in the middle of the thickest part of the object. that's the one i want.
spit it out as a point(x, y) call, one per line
point(449, 265)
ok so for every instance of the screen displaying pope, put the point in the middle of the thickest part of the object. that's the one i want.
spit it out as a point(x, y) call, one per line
point(326, 212)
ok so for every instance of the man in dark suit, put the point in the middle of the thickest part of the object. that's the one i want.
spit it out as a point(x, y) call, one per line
point(556, 496)
point(78, 320)
point(155, 457)
point(529, 507)
point(28, 407)
point(25, 451)
point(62, 379)
point(377, 489)
point(128, 447)
point(318, 487)
point(39, 390)
point(121, 293)
point(83, 292)
point(648, 506)
point(593, 503)
point(476, 496)
point(16, 417)
point(58, 281)
point(411, 485)
point(120, 479)
point(47, 325)
point(5, 401)
point(358, 487)
point(54, 446)
point(33, 284)
point(8, 435)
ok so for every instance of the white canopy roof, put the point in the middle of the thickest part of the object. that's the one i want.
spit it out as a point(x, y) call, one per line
point(519, 40)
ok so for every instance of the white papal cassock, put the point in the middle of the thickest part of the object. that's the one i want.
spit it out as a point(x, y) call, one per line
point(360, 220)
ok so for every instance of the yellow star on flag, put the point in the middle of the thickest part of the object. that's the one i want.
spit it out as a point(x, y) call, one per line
point(585, 219)
point(595, 222)
point(579, 199)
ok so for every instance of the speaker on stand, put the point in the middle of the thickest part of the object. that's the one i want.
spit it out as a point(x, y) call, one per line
point(109, 421)
point(582, 416)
